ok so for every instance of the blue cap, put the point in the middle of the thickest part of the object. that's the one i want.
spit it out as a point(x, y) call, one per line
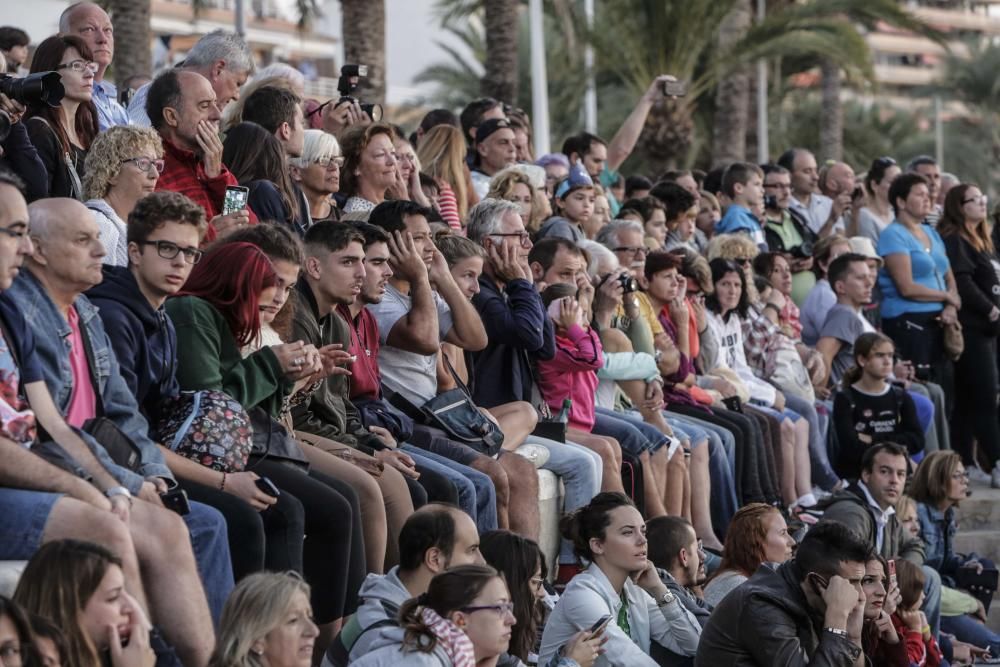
point(578, 178)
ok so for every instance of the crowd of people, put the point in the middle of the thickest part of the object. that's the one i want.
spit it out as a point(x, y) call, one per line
point(276, 378)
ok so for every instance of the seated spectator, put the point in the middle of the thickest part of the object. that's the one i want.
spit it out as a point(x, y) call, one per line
point(877, 213)
point(257, 160)
point(609, 535)
point(80, 586)
point(14, 48)
point(654, 218)
point(757, 535)
point(123, 165)
point(743, 182)
point(882, 644)
point(677, 553)
point(636, 187)
point(522, 565)
point(837, 182)
point(16, 636)
point(493, 150)
point(409, 167)
point(599, 218)
point(217, 313)
point(441, 152)
point(786, 231)
point(62, 134)
point(869, 410)
point(434, 539)
point(681, 208)
point(464, 618)
point(821, 298)
point(911, 623)
point(317, 173)
point(183, 109)
point(780, 308)
point(371, 167)
point(89, 22)
point(808, 611)
point(817, 209)
point(267, 621)
point(573, 204)
point(709, 215)
point(852, 282)
point(221, 57)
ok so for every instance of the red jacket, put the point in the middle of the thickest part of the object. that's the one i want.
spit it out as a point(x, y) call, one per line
point(365, 378)
point(920, 653)
point(184, 172)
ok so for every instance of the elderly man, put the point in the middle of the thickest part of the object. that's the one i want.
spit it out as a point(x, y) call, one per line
point(90, 23)
point(221, 57)
point(72, 357)
point(818, 209)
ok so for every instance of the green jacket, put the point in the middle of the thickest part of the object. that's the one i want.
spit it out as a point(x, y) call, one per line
point(850, 507)
point(209, 358)
point(328, 413)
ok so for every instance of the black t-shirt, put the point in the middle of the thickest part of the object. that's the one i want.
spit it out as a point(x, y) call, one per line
point(887, 417)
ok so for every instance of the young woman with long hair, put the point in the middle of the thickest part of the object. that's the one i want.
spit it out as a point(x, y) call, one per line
point(219, 313)
point(881, 643)
point(267, 622)
point(522, 564)
point(80, 587)
point(974, 261)
point(441, 152)
point(756, 535)
point(258, 161)
point(62, 134)
point(877, 212)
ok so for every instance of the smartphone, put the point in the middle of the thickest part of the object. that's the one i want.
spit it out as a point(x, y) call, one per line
point(268, 487)
point(733, 403)
point(674, 88)
point(598, 627)
point(236, 199)
point(176, 500)
point(892, 572)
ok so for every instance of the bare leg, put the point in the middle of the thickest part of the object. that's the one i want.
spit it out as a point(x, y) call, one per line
point(523, 479)
point(803, 471)
point(788, 456)
point(677, 475)
point(701, 489)
point(498, 475)
point(611, 456)
point(652, 496)
point(517, 420)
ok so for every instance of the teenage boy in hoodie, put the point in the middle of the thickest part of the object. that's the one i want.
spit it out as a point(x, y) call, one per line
point(434, 538)
point(164, 232)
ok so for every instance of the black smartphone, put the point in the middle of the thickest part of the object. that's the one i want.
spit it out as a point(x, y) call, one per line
point(268, 487)
point(176, 500)
point(598, 627)
point(733, 403)
point(236, 199)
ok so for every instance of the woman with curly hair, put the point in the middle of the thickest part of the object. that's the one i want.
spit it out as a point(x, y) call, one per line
point(122, 167)
point(371, 167)
point(757, 535)
point(514, 185)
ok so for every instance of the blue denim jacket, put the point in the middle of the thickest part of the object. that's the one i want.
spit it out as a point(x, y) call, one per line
point(938, 530)
point(51, 331)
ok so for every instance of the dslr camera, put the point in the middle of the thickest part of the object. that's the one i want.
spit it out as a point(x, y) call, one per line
point(628, 283)
point(348, 82)
point(802, 251)
point(34, 89)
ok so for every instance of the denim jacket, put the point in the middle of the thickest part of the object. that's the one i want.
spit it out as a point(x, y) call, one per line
point(52, 347)
point(938, 530)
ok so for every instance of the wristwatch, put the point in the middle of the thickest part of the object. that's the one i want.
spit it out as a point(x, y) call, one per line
point(667, 598)
point(836, 631)
point(119, 491)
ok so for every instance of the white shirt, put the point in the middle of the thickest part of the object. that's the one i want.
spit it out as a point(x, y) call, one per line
point(732, 355)
point(881, 516)
point(817, 212)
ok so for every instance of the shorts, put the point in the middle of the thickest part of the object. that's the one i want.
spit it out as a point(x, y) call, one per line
point(23, 516)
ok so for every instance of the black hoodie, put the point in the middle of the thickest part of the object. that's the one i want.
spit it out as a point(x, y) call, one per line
point(143, 339)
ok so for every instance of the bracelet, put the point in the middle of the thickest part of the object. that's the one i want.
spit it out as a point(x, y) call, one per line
point(836, 631)
point(222, 487)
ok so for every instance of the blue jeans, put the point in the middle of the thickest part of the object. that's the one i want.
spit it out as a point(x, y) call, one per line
point(967, 629)
point(210, 541)
point(577, 473)
point(476, 495)
point(632, 436)
point(822, 472)
point(932, 599)
point(715, 432)
point(723, 501)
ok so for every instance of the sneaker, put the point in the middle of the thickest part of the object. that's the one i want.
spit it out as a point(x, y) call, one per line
point(995, 477)
point(976, 474)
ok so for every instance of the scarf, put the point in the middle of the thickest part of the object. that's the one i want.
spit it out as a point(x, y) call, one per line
point(450, 637)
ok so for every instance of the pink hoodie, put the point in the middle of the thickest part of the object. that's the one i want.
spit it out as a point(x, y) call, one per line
point(571, 374)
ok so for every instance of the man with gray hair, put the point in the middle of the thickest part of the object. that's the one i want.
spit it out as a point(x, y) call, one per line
point(92, 24)
point(221, 57)
point(625, 238)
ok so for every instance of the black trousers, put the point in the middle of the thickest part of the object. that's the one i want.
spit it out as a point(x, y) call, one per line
point(975, 417)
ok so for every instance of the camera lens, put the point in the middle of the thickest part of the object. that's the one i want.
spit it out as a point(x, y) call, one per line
point(374, 111)
point(37, 88)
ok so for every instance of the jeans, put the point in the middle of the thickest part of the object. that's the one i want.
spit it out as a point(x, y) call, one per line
point(970, 630)
point(472, 485)
point(822, 472)
point(577, 473)
point(723, 501)
point(628, 434)
point(210, 542)
point(932, 599)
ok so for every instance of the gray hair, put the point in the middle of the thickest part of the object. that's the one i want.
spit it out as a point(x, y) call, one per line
point(608, 236)
point(484, 218)
point(65, 22)
point(221, 45)
point(597, 254)
point(316, 144)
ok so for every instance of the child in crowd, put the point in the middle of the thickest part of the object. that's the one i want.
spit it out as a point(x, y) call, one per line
point(743, 183)
point(911, 623)
point(573, 205)
point(869, 409)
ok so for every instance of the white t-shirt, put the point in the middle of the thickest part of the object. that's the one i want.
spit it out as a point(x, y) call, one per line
point(732, 355)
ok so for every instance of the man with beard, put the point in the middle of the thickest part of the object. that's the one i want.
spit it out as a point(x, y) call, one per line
point(679, 558)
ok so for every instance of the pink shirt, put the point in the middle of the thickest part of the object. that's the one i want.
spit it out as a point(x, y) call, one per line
point(83, 400)
point(572, 374)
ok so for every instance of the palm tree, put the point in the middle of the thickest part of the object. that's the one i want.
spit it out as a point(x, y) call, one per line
point(456, 80)
point(500, 80)
point(364, 43)
point(732, 95)
point(133, 54)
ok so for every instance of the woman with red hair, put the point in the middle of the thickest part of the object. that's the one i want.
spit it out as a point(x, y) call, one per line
point(756, 535)
point(218, 313)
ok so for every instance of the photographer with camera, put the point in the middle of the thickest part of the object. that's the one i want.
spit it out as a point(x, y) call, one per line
point(786, 231)
point(17, 153)
point(336, 115)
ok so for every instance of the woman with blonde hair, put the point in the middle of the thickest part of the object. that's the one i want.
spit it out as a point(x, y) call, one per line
point(121, 168)
point(515, 186)
point(317, 173)
point(441, 153)
point(267, 621)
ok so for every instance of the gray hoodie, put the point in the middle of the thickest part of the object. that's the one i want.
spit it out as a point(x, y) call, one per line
point(386, 650)
point(381, 597)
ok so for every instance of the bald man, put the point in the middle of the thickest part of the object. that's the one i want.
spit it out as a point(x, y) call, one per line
point(78, 367)
point(92, 24)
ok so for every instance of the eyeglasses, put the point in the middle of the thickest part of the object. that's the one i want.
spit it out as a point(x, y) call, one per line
point(536, 583)
point(633, 250)
point(524, 238)
point(963, 474)
point(14, 233)
point(80, 66)
point(168, 250)
point(12, 655)
point(981, 199)
point(328, 162)
point(779, 186)
point(743, 260)
point(144, 164)
point(499, 609)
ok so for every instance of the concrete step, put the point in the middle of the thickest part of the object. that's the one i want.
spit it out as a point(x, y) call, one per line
point(980, 511)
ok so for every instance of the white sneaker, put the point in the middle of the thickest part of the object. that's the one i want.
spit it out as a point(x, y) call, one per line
point(976, 474)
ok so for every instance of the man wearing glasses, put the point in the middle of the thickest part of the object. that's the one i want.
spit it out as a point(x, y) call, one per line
point(92, 24)
point(786, 231)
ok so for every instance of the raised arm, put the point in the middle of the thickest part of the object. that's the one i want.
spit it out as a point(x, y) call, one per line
point(467, 331)
point(625, 139)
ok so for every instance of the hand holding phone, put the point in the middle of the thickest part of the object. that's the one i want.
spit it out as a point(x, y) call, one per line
point(235, 200)
point(598, 627)
point(176, 500)
point(268, 487)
